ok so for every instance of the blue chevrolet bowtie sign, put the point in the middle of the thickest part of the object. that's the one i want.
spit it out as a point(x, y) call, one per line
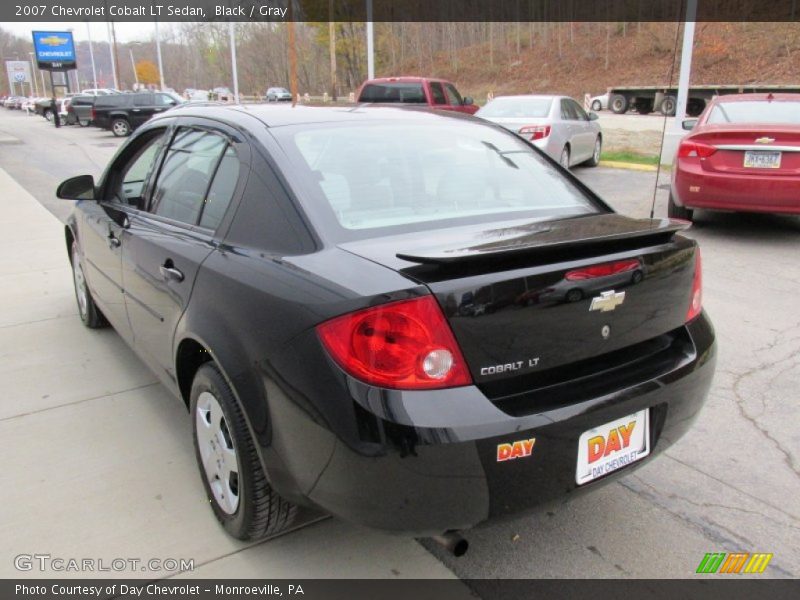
point(55, 50)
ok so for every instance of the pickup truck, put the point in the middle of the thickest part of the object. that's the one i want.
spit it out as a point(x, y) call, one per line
point(122, 113)
point(435, 93)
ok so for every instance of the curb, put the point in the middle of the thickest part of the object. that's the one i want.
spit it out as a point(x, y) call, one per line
point(615, 164)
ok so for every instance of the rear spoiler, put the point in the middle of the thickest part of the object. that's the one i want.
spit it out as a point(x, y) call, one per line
point(568, 236)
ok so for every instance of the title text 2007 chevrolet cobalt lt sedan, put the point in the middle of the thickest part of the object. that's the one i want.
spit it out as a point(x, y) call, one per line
point(411, 320)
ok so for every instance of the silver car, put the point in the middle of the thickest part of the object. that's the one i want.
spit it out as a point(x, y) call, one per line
point(278, 94)
point(556, 125)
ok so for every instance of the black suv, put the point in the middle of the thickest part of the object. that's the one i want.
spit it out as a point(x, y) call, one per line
point(122, 113)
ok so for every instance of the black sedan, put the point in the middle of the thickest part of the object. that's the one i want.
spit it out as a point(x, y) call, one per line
point(356, 306)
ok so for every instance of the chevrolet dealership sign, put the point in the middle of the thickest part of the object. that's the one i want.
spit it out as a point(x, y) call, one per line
point(55, 50)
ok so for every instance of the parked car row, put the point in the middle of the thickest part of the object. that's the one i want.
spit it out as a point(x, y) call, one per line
point(557, 125)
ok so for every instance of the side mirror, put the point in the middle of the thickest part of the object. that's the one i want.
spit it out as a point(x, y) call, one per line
point(593, 116)
point(689, 124)
point(468, 101)
point(77, 188)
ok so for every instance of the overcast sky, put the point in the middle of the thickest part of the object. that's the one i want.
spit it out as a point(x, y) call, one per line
point(126, 32)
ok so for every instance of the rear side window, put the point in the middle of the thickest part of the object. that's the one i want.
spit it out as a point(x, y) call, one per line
point(568, 111)
point(186, 175)
point(438, 93)
point(221, 190)
point(578, 110)
point(393, 92)
point(143, 100)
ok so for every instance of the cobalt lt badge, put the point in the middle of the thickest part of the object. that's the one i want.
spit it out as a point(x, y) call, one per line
point(607, 301)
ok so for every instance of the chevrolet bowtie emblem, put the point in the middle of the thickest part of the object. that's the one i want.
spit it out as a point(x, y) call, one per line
point(53, 40)
point(764, 140)
point(607, 301)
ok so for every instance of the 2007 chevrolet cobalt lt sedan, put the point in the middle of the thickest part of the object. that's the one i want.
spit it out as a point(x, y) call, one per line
point(370, 311)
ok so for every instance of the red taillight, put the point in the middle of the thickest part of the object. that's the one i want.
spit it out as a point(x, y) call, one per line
point(612, 268)
point(696, 301)
point(93, 114)
point(535, 132)
point(691, 149)
point(401, 345)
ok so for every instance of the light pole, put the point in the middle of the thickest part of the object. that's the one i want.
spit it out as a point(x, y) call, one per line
point(112, 54)
point(233, 63)
point(160, 65)
point(370, 43)
point(91, 54)
point(133, 66)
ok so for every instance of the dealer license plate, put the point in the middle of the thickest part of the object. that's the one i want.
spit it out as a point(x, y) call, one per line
point(612, 446)
point(757, 159)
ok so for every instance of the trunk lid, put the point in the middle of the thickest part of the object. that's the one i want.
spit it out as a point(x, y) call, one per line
point(531, 299)
point(743, 150)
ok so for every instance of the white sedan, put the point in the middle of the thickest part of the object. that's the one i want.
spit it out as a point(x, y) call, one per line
point(557, 125)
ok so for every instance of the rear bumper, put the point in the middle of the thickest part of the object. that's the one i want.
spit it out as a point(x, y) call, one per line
point(425, 462)
point(695, 188)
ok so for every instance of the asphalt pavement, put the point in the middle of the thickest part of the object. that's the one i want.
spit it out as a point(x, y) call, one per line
point(99, 460)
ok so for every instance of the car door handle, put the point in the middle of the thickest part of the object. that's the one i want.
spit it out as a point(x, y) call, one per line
point(113, 241)
point(168, 271)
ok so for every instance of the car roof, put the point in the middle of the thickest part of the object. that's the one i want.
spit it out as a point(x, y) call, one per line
point(530, 97)
point(404, 79)
point(278, 116)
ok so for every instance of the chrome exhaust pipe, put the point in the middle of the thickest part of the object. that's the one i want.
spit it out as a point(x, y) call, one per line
point(453, 542)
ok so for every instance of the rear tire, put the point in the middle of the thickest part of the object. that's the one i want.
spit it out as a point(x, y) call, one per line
point(678, 212)
point(84, 123)
point(564, 158)
point(47, 114)
point(120, 127)
point(236, 485)
point(618, 104)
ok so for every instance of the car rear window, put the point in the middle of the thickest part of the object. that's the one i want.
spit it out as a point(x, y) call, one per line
point(407, 176)
point(517, 107)
point(411, 93)
point(756, 111)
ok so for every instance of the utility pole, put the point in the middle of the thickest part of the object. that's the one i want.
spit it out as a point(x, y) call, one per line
point(33, 74)
point(133, 66)
point(332, 43)
point(292, 58)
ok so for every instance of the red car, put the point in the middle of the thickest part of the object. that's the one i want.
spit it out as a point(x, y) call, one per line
point(435, 93)
point(743, 154)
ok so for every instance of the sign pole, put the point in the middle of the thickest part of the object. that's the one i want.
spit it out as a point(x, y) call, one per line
point(53, 103)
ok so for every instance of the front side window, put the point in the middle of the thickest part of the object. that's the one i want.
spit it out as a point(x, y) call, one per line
point(438, 93)
point(186, 175)
point(453, 96)
point(129, 186)
point(411, 176)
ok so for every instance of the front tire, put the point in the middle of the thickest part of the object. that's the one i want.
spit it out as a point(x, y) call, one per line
point(240, 496)
point(598, 148)
point(618, 104)
point(87, 309)
point(678, 212)
point(120, 127)
point(597, 106)
point(668, 106)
